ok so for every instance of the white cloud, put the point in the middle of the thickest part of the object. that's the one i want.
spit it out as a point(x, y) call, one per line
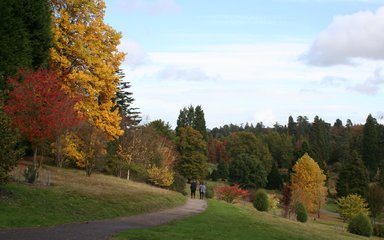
point(333, 81)
point(136, 55)
point(249, 83)
point(148, 6)
point(360, 35)
point(244, 20)
point(267, 117)
point(372, 85)
point(193, 74)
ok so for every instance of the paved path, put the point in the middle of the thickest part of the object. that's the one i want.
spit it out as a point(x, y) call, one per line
point(101, 230)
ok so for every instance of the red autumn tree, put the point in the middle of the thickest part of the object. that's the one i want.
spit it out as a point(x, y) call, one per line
point(217, 151)
point(38, 106)
point(286, 200)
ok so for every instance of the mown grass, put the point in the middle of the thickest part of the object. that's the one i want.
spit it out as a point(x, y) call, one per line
point(73, 197)
point(331, 205)
point(238, 222)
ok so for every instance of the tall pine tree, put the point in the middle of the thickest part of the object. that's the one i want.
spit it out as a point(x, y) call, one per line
point(192, 117)
point(292, 127)
point(37, 19)
point(26, 37)
point(353, 177)
point(199, 122)
point(319, 143)
point(370, 146)
point(124, 101)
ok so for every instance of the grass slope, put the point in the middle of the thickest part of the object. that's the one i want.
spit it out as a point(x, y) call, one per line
point(73, 197)
point(237, 222)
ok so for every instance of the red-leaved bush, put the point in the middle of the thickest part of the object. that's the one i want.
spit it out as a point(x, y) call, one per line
point(38, 106)
point(230, 193)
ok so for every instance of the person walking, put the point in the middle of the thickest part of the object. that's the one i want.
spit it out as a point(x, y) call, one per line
point(193, 188)
point(202, 190)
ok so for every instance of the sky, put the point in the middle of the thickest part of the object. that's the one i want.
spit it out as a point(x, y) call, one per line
point(253, 61)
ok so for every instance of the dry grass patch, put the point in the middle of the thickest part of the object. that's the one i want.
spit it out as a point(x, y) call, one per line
point(99, 184)
point(71, 196)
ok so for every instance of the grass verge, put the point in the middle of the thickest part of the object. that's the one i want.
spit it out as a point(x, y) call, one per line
point(77, 198)
point(240, 222)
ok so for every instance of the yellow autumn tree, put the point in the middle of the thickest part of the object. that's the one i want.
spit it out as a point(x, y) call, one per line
point(160, 176)
point(87, 147)
point(85, 52)
point(308, 184)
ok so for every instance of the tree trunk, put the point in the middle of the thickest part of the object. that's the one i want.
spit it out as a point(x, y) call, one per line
point(59, 154)
point(35, 157)
point(128, 173)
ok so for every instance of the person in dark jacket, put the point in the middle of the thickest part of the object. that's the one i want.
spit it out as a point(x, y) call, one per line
point(193, 188)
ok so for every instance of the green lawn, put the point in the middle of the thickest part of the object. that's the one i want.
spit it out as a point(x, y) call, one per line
point(331, 205)
point(75, 198)
point(238, 222)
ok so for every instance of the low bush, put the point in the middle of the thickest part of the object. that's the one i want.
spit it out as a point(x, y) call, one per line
point(31, 173)
point(209, 192)
point(178, 184)
point(360, 225)
point(160, 176)
point(230, 193)
point(351, 205)
point(261, 202)
point(301, 212)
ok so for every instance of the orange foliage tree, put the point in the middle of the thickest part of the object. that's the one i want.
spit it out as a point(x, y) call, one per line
point(308, 184)
point(85, 52)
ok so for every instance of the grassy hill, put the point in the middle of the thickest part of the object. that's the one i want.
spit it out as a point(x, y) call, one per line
point(73, 197)
point(241, 222)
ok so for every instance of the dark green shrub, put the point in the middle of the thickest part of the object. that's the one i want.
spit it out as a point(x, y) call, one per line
point(178, 184)
point(360, 225)
point(31, 173)
point(10, 151)
point(261, 200)
point(275, 181)
point(301, 212)
point(215, 175)
point(378, 230)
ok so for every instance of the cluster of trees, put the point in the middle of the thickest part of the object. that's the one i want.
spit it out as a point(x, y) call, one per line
point(63, 94)
point(306, 161)
point(60, 82)
point(334, 147)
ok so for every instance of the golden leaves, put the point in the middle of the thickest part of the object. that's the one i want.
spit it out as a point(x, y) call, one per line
point(85, 51)
point(308, 183)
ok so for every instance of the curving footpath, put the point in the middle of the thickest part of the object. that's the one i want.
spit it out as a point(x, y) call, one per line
point(104, 229)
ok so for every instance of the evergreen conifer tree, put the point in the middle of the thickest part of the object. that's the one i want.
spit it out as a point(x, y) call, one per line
point(192, 117)
point(15, 47)
point(181, 121)
point(370, 146)
point(319, 144)
point(275, 181)
point(291, 127)
point(37, 19)
point(223, 170)
point(26, 36)
point(199, 122)
point(124, 101)
point(353, 178)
